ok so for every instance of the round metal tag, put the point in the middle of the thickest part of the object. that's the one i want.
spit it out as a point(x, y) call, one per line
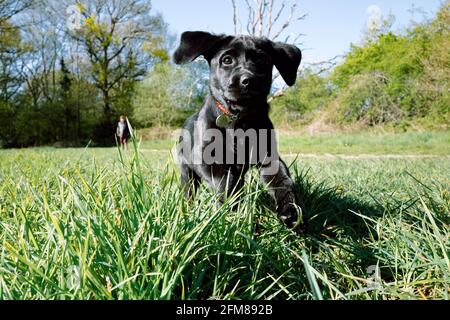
point(223, 121)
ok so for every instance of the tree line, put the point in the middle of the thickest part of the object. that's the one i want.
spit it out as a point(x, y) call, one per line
point(69, 69)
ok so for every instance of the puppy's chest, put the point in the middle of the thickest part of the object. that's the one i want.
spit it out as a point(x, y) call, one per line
point(248, 141)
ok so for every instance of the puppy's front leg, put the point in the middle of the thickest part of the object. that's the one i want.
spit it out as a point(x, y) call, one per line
point(276, 176)
point(225, 182)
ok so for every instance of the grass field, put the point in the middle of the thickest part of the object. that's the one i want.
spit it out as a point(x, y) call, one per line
point(379, 143)
point(98, 224)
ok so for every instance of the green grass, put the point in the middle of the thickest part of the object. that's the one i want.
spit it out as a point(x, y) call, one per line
point(410, 143)
point(95, 224)
point(421, 143)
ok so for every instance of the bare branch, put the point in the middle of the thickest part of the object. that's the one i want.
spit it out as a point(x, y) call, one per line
point(277, 17)
point(235, 16)
point(269, 18)
point(261, 4)
point(289, 21)
point(263, 16)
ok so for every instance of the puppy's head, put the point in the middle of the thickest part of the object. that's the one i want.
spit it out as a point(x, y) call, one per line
point(241, 66)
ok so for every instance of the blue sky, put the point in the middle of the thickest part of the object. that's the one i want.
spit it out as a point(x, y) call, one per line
point(329, 28)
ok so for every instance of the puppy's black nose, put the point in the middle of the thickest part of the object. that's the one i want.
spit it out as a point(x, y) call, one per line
point(242, 82)
point(245, 81)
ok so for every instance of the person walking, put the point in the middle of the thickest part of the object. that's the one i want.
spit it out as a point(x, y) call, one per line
point(123, 132)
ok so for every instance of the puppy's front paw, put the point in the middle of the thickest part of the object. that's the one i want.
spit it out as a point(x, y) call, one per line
point(291, 215)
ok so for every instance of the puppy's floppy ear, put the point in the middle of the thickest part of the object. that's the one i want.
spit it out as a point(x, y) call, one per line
point(287, 59)
point(194, 44)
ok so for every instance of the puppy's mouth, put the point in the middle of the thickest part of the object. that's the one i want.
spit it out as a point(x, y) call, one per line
point(237, 105)
point(237, 102)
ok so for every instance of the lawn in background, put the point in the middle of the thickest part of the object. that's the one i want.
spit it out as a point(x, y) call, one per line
point(408, 143)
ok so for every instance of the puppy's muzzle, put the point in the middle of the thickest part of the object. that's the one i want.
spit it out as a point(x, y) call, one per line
point(243, 84)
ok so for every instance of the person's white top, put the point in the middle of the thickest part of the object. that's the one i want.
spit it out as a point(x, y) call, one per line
point(121, 127)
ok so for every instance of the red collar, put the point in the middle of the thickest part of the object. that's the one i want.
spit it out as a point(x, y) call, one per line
point(228, 113)
point(222, 108)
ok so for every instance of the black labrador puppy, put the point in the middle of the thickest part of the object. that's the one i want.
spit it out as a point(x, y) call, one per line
point(233, 131)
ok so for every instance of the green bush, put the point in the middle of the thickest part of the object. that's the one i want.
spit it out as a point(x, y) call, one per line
point(310, 93)
point(367, 99)
point(394, 79)
point(398, 78)
point(166, 97)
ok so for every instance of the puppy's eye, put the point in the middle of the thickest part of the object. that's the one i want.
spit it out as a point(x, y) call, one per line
point(227, 60)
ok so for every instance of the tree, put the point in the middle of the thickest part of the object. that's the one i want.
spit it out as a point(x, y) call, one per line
point(65, 99)
point(166, 97)
point(11, 8)
point(45, 40)
point(121, 40)
point(267, 19)
point(11, 50)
